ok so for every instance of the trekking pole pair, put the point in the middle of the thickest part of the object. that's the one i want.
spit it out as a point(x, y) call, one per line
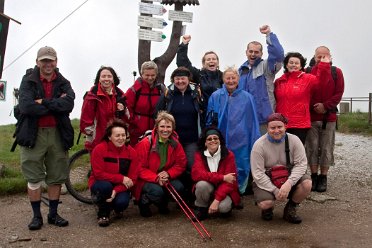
point(188, 212)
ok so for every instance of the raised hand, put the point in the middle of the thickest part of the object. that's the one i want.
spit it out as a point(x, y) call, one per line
point(186, 39)
point(265, 29)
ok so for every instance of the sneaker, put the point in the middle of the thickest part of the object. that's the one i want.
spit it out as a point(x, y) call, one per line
point(35, 223)
point(144, 209)
point(267, 214)
point(57, 221)
point(290, 214)
point(103, 221)
point(314, 179)
point(322, 183)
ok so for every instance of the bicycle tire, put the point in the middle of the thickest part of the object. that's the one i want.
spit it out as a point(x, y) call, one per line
point(79, 171)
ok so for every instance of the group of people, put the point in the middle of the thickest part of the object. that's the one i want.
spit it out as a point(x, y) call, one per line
point(207, 129)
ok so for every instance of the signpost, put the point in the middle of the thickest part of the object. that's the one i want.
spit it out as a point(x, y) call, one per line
point(151, 9)
point(152, 35)
point(180, 16)
point(151, 22)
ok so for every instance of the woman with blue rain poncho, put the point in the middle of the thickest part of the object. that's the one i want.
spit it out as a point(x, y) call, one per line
point(233, 111)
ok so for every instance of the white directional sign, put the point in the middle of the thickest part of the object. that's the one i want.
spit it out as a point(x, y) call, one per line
point(145, 34)
point(151, 22)
point(152, 9)
point(180, 16)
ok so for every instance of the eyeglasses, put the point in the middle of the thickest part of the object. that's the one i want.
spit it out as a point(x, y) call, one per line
point(213, 138)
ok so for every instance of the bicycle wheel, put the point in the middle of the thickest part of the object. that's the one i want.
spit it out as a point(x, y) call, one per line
point(77, 181)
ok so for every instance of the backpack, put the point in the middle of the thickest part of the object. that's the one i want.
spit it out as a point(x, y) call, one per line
point(333, 71)
point(160, 86)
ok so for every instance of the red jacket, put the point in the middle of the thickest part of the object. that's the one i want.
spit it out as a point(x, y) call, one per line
point(200, 172)
point(111, 163)
point(98, 109)
point(149, 161)
point(293, 91)
point(328, 91)
point(141, 101)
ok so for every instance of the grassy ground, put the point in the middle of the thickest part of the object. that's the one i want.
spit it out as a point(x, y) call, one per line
point(11, 180)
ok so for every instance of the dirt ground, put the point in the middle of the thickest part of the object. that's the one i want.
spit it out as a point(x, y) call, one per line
point(341, 217)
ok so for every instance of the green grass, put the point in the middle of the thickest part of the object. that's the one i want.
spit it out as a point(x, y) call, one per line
point(11, 180)
point(356, 122)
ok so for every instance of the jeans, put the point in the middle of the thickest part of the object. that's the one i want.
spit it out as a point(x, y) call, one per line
point(101, 191)
point(154, 193)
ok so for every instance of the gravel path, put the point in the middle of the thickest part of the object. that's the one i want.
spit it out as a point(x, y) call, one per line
point(341, 217)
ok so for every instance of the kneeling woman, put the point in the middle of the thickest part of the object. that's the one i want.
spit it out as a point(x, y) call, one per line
point(114, 172)
point(162, 160)
point(214, 172)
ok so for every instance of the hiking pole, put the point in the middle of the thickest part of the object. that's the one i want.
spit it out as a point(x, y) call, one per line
point(184, 210)
point(188, 212)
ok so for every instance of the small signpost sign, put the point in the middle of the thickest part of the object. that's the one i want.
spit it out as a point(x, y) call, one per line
point(145, 34)
point(151, 22)
point(151, 9)
point(181, 16)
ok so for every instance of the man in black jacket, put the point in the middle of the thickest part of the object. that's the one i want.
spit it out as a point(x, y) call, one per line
point(44, 133)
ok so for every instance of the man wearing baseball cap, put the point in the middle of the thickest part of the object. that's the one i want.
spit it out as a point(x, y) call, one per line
point(269, 151)
point(44, 133)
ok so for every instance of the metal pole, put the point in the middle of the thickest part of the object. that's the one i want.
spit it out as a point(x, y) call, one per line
point(351, 105)
point(369, 108)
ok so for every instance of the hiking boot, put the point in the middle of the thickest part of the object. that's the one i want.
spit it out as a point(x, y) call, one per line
point(118, 215)
point(290, 214)
point(226, 215)
point(35, 223)
point(144, 209)
point(314, 179)
point(322, 183)
point(201, 213)
point(163, 209)
point(103, 221)
point(267, 214)
point(57, 221)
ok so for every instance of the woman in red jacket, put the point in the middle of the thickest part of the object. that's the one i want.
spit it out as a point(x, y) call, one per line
point(214, 172)
point(162, 160)
point(293, 91)
point(141, 99)
point(102, 103)
point(114, 172)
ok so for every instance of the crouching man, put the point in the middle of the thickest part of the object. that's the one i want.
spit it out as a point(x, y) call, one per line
point(269, 151)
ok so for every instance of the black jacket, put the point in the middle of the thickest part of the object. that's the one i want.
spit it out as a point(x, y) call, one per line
point(60, 107)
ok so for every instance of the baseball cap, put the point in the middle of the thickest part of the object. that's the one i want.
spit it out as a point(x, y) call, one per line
point(46, 53)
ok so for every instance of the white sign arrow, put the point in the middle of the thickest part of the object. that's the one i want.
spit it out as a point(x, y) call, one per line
point(151, 22)
point(145, 34)
point(180, 16)
point(152, 9)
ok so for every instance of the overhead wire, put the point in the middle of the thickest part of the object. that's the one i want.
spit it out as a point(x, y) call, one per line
point(59, 23)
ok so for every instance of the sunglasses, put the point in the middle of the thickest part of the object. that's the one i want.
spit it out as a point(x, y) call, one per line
point(213, 138)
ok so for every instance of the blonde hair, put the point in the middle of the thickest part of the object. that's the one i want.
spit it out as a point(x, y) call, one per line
point(149, 65)
point(164, 115)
